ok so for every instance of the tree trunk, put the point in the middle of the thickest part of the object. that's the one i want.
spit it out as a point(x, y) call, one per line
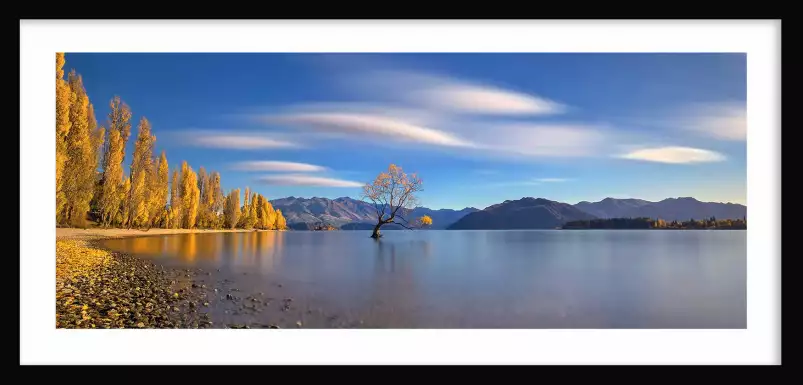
point(376, 233)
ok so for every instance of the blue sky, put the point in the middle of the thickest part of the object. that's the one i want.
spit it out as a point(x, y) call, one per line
point(478, 128)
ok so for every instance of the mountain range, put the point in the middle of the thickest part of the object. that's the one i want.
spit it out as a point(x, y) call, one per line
point(351, 214)
point(525, 213)
point(670, 209)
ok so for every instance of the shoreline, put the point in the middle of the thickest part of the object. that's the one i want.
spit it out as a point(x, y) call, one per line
point(99, 288)
point(63, 233)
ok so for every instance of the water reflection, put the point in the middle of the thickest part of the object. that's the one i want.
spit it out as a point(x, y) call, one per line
point(386, 252)
point(634, 279)
point(246, 249)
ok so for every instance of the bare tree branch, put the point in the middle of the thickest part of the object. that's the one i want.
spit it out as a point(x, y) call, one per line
point(402, 225)
point(394, 191)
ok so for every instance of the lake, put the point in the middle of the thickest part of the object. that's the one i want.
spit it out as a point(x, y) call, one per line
point(465, 279)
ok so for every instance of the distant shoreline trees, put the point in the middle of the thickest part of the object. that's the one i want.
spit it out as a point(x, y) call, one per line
point(147, 196)
point(648, 223)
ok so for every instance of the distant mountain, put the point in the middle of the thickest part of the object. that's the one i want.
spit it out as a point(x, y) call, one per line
point(669, 209)
point(354, 213)
point(525, 213)
point(610, 207)
point(314, 210)
point(301, 226)
point(442, 218)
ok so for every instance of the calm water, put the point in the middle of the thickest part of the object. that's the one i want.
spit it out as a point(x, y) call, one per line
point(478, 279)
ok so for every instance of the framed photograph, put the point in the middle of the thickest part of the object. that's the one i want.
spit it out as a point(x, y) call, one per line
point(413, 188)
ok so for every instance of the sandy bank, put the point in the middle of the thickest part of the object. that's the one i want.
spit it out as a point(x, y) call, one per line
point(71, 233)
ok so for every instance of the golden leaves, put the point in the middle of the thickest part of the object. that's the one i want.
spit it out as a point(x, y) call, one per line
point(59, 65)
point(392, 190)
point(78, 140)
point(75, 257)
point(189, 195)
point(425, 220)
point(232, 208)
point(140, 200)
point(281, 223)
point(142, 178)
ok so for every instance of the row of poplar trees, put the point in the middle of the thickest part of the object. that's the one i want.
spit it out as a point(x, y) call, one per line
point(91, 183)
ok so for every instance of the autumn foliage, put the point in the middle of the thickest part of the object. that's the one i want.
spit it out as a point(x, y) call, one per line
point(92, 185)
point(393, 195)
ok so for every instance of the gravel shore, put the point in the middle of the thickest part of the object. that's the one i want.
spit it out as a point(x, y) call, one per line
point(99, 289)
point(96, 288)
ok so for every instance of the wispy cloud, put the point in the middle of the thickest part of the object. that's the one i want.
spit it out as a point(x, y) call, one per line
point(412, 115)
point(543, 140)
point(420, 108)
point(306, 180)
point(239, 142)
point(370, 125)
point(455, 95)
point(464, 117)
point(392, 126)
point(272, 165)
point(726, 121)
point(675, 155)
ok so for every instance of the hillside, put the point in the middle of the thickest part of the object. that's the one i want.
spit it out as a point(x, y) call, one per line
point(610, 207)
point(669, 209)
point(350, 214)
point(525, 213)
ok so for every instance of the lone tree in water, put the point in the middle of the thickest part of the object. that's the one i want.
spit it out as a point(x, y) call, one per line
point(393, 194)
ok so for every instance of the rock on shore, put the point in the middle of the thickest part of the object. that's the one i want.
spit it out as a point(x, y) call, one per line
point(95, 289)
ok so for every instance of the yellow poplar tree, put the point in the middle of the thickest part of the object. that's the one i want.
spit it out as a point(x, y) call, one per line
point(113, 155)
point(270, 216)
point(141, 166)
point(202, 184)
point(112, 178)
point(216, 199)
point(245, 210)
point(281, 223)
point(63, 124)
point(260, 208)
point(161, 190)
point(206, 215)
point(266, 214)
point(190, 196)
point(124, 193)
point(193, 200)
point(154, 193)
point(252, 212)
point(97, 135)
point(231, 211)
point(175, 202)
point(78, 176)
